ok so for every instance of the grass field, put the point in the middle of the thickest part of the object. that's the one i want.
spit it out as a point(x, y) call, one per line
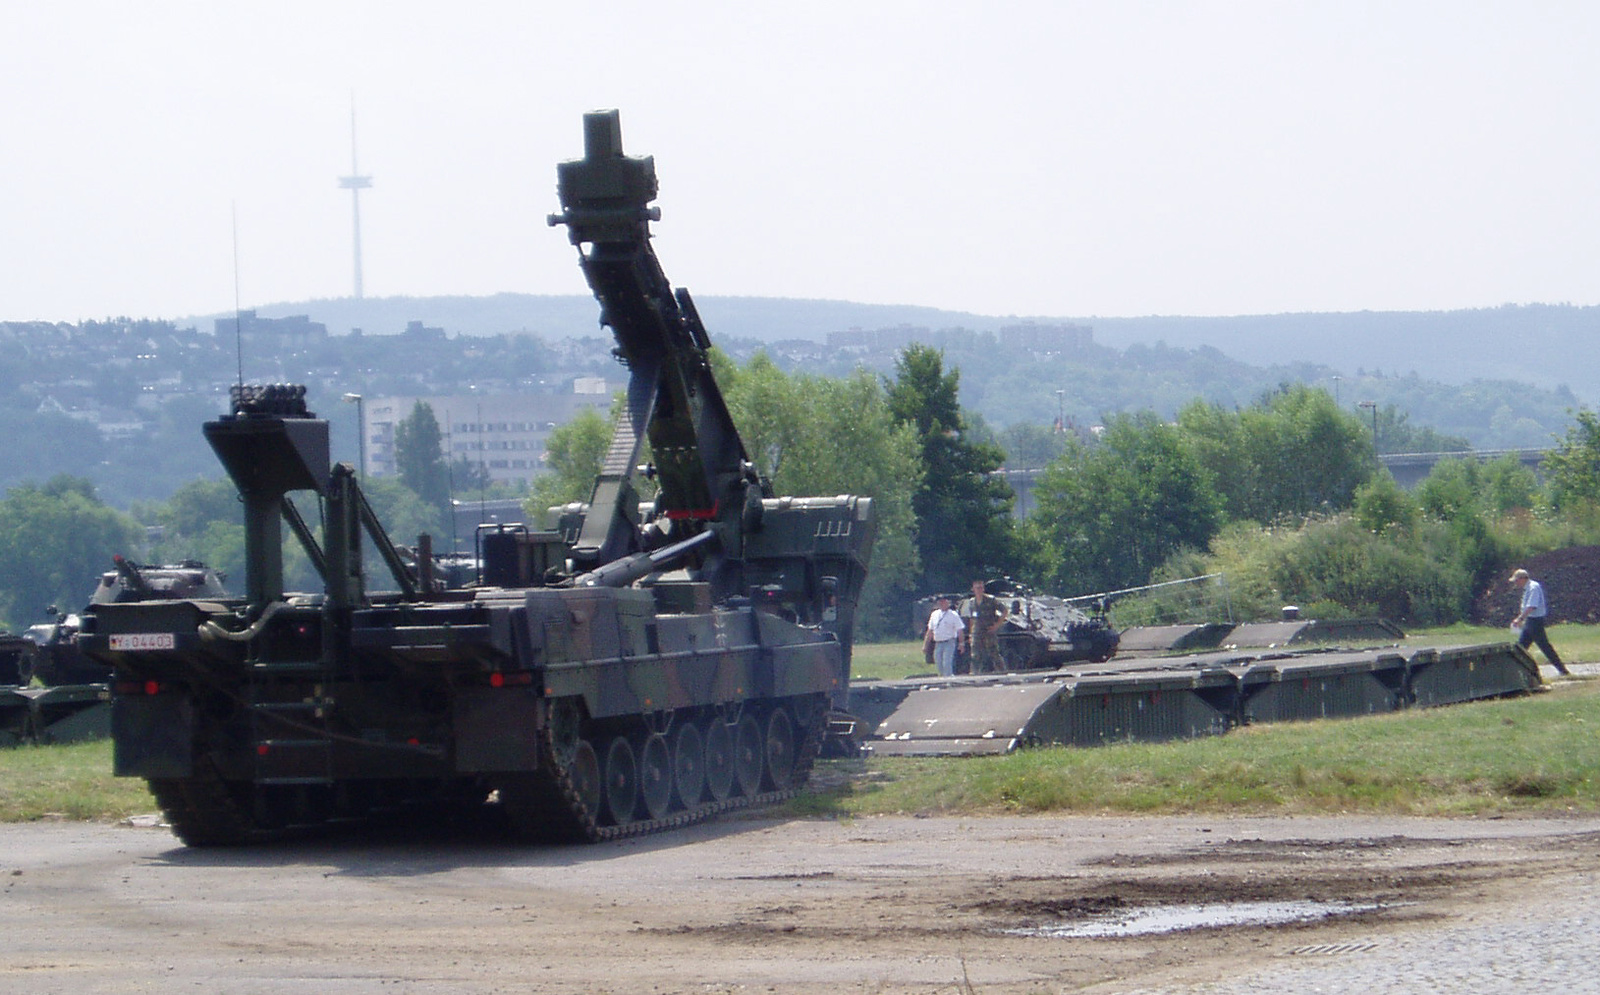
point(67, 782)
point(1534, 754)
point(1539, 753)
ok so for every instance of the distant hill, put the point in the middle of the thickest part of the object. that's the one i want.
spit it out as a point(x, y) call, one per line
point(1544, 344)
point(768, 319)
point(1549, 345)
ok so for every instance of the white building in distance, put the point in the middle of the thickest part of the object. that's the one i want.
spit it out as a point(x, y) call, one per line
point(504, 433)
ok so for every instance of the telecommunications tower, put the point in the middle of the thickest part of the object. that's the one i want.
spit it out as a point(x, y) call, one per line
point(355, 183)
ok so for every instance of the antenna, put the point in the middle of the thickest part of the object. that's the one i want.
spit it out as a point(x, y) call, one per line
point(355, 183)
point(450, 481)
point(483, 469)
point(238, 333)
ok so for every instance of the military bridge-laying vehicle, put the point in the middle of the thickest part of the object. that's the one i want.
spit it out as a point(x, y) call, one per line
point(654, 670)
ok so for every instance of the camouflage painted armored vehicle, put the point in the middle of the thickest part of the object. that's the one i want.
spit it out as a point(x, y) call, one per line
point(53, 657)
point(1042, 631)
point(653, 670)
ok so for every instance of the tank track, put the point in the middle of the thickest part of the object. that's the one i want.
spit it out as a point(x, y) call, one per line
point(204, 812)
point(554, 810)
point(544, 806)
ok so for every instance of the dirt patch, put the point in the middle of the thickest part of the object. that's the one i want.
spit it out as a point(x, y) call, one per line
point(889, 906)
point(1571, 579)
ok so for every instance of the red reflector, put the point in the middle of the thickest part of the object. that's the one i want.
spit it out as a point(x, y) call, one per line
point(414, 741)
point(151, 687)
point(691, 514)
point(261, 749)
point(497, 680)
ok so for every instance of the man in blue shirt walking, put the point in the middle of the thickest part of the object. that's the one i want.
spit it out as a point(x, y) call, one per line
point(1531, 618)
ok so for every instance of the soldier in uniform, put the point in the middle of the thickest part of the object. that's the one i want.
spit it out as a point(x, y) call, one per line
point(984, 614)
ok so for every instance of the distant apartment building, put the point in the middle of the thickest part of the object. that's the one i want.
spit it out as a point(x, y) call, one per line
point(504, 433)
point(286, 334)
point(865, 340)
point(1046, 339)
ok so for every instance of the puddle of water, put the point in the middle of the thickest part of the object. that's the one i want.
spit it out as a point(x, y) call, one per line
point(1175, 918)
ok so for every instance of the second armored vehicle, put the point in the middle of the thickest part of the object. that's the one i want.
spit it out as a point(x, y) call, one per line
point(1042, 631)
point(52, 657)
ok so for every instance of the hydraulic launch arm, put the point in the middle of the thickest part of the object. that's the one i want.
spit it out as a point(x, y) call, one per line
point(705, 476)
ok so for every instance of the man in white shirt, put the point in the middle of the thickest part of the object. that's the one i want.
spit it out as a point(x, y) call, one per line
point(947, 630)
point(1531, 618)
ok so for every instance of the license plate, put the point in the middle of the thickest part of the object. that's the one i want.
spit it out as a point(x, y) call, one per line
point(136, 641)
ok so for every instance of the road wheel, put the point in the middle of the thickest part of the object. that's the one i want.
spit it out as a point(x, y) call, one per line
point(780, 751)
point(719, 759)
point(584, 771)
point(622, 782)
point(655, 775)
point(688, 765)
point(749, 756)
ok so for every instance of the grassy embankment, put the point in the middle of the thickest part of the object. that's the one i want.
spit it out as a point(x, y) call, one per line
point(1536, 754)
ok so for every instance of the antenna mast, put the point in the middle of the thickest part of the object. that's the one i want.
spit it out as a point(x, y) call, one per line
point(355, 183)
point(238, 331)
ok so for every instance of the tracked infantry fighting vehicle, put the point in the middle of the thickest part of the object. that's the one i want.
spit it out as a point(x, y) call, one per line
point(1042, 631)
point(653, 670)
point(53, 657)
point(50, 690)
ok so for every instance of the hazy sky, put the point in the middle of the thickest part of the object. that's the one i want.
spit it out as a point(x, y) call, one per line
point(1030, 158)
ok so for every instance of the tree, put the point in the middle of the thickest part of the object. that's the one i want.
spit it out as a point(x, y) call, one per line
point(1382, 508)
point(203, 520)
point(405, 517)
point(468, 476)
point(1509, 486)
point(1572, 471)
point(815, 435)
point(573, 454)
point(419, 456)
point(192, 508)
point(1396, 434)
point(1459, 486)
point(963, 510)
point(1291, 454)
point(1109, 514)
point(56, 539)
point(1029, 446)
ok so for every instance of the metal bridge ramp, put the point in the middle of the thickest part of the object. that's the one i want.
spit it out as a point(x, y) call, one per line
point(955, 720)
point(1305, 632)
point(13, 716)
point(1166, 698)
point(1149, 640)
point(67, 714)
point(1324, 685)
point(1081, 710)
point(1450, 675)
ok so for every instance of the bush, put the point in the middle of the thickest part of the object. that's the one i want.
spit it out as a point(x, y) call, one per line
point(1334, 567)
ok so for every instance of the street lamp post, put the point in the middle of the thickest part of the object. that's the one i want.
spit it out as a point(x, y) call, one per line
point(361, 429)
point(1373, 407)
